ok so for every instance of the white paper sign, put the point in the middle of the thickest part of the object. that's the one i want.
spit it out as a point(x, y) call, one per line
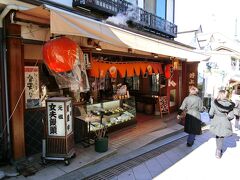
point(69, 117)
point(31, 82)
point(56, 119)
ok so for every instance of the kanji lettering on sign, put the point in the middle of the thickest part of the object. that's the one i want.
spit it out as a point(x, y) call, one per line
point(52, 107)
point(60, 116)
point(53, 122)
point(53, 130)
point(60, 107)
point(191, 82)
point(192, 75)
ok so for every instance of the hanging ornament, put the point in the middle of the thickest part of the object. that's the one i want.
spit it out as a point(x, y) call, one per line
point(149, 69)
point(168, 71)
point(113, 71)
point(60, 54)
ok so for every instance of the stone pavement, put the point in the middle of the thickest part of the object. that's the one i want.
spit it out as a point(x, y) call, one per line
point(120, 143)
point(186, 163)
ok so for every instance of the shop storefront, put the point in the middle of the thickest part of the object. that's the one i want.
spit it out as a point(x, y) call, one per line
point(113, 83)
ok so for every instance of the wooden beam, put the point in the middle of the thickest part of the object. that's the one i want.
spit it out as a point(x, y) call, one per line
point(16, 87)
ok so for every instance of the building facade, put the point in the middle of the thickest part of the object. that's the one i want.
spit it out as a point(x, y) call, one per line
point(140, 49)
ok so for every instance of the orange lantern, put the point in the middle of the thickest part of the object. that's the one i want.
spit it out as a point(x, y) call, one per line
point(168, 71)
point(60, 54)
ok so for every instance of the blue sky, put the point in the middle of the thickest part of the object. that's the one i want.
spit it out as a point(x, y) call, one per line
point(213, 15)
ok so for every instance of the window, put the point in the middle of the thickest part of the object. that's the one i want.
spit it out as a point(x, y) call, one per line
point(170, 11)
point(134, 2)
point(239, 64)
point(135, 83)
point(233, 63)
point(161, 8)
point(140, 4)
point(155, 82)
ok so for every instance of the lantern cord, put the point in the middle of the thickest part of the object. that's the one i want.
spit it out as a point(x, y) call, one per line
point(15, 107)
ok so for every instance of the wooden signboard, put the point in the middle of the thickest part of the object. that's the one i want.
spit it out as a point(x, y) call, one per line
point(163, 105)
point(59, 138)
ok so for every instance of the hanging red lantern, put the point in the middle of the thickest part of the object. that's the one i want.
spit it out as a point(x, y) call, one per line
point(60, 54)
point(168, 71)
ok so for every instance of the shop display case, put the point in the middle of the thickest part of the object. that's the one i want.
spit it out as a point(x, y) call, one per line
point(115, 114)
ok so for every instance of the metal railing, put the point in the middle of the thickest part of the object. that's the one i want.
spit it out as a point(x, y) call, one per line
point(136, 15)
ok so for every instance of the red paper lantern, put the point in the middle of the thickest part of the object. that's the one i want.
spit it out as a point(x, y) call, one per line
point(168, 71)
point(60, 54)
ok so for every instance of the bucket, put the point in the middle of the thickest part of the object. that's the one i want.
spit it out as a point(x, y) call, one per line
point(101, 145)
point(140, 107)
point(148, 108)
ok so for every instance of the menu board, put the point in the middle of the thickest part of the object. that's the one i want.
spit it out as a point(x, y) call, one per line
point(163, 104)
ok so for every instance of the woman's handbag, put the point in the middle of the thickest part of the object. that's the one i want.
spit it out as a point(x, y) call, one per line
point(183, 114)
point(205, 117)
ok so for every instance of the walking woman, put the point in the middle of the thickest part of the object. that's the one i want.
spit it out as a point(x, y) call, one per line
point(193, 105)
point(221, 112)
point(236, 111)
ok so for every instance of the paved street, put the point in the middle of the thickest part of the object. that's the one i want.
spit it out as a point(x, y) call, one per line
point(168, 161)
point(197, 162)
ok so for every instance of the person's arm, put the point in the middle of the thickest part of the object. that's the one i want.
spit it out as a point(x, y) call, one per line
point(230, 115)
point(182, 108)
point(184, 105)
point(201, 108)
point(212, 110)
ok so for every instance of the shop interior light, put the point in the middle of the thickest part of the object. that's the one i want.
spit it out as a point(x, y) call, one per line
point(130, 50)
point(98, 47)
point(155, 55)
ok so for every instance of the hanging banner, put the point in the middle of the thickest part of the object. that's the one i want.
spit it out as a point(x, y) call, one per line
point(122, 68)
point(130, 70)
point(100, 68)
point(31, 86)
point(137, 68)
point(69, 117)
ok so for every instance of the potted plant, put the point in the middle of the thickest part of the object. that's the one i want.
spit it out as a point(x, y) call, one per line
point(101, 140)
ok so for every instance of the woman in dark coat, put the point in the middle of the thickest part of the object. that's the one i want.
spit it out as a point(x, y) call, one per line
point(221, 112)
point(193, 105)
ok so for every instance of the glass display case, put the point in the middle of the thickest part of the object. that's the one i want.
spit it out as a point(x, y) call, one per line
point(114, 114)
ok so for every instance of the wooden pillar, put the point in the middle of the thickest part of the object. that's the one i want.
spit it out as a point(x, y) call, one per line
point(3, 147)
point(16, 87)
point(184, 80)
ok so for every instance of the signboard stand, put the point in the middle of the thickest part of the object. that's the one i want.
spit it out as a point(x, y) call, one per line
point(163, 105)
point(59, 139)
